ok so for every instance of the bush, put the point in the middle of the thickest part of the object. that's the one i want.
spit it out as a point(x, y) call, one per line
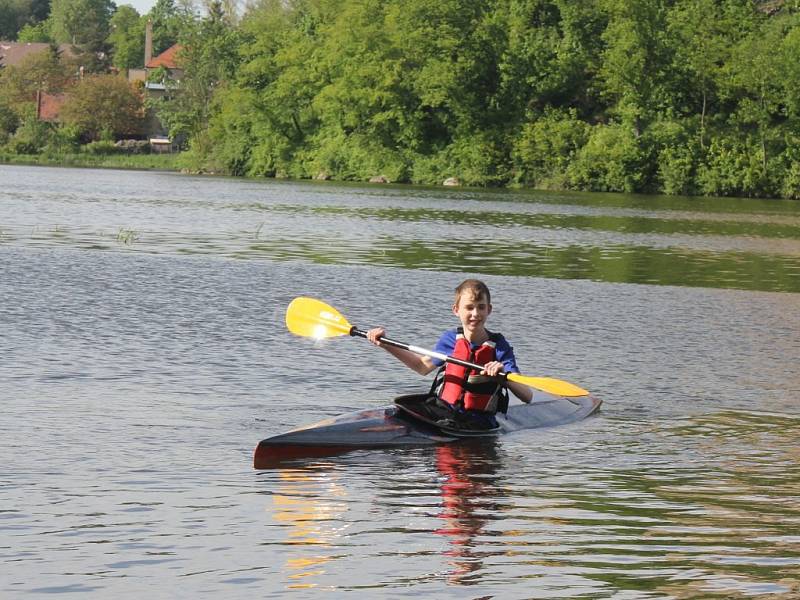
point(354, 157)
point(611, 161)
point(790, 186)
point(476, 159)
point(30, 138)
point(9, 121)
point(64, 139)
point(101, 148)
point(102, 107)
point(789, 180)
point(545, 148)
point(676, 167)
point(733, 168)
point(672, 148)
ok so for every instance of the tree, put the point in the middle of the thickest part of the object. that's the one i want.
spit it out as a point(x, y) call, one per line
point(169, 21)
point(104, 103)
point(39, 72)
point(13, 15)
point(126, 38)
point(756, 78)
point(40, 32)
point(703, 33)
point(635, 64)
point(85, 25)
point(209, 57)
point(9, 120)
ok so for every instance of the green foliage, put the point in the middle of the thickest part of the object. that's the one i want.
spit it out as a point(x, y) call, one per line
point(19, 84)
point(103, 103)
point(670, 96)
point(790, 186)
point(86, 25)
point(158, 75)
point(31, 136)
point(354, 157)
point(169, 20)
point(612, 160)
point(673, 147)
point(635, 70)
point(40, 32)
point(209, 56)
point(101, 147)
point(732, 167)
point(546, 147)
point(62, 140)
point(13, 15)
point(9, 121)
point(126, 38)
point(80, 21)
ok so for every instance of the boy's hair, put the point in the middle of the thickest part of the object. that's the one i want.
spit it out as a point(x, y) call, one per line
point(476, 289)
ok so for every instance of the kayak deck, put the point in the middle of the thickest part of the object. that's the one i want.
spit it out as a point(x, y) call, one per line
point(393, 426)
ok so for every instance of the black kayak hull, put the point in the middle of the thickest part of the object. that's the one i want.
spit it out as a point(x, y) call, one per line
point(390, 426)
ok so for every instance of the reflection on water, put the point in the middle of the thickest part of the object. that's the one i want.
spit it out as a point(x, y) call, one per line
point(696, 513)
point(468, 501)
point(726, 243)
point(308, 520)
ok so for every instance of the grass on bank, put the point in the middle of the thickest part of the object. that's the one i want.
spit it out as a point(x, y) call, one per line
point(162, 162)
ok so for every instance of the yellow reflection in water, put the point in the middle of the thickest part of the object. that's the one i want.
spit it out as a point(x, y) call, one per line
point(301, 504)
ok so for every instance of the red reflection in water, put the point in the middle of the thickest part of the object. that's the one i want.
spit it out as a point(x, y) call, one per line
point(467, 492)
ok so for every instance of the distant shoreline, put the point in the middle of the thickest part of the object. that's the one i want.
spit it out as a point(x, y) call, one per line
point(178, 163)
point(151, 162)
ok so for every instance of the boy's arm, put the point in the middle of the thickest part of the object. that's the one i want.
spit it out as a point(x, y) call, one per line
point(523, 392)
point(421, 364)
point(508, 362)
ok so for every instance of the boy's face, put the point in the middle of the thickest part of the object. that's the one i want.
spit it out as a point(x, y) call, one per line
point(472, 311)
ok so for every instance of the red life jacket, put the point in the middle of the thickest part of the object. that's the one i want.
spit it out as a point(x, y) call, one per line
point(464, 386)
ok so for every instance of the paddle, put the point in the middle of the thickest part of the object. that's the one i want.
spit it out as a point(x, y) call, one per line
point(308, 317)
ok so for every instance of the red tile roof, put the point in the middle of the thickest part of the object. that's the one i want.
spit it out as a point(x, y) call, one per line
point(168, 58)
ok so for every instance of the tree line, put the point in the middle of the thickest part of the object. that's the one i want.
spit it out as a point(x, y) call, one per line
point(697, 97)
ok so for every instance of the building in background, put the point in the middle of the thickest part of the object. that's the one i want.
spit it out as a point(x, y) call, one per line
point(12, 54)
point(160, 74)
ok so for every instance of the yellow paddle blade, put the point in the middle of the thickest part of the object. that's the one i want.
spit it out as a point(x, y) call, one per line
point(549, 385)
point(313, 318)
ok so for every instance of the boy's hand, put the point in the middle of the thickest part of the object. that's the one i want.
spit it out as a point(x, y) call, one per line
point(374, 335)
point(492, 368)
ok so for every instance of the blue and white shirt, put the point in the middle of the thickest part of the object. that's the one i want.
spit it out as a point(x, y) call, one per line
point(503, 350)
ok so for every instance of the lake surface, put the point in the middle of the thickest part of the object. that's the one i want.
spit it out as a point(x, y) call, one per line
point(143, 356)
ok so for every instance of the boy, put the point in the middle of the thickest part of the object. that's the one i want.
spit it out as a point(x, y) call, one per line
point(472, 393)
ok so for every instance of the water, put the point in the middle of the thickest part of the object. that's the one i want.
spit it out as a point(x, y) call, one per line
point(143, 356)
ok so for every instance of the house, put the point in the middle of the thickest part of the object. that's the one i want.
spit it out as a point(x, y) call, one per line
point(168, 62)
point(13, 54)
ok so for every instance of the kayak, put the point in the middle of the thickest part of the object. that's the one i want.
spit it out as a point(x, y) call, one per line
point(406, 423)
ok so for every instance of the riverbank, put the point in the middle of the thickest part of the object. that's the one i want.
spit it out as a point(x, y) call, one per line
point(157, 162)
point(183, 162)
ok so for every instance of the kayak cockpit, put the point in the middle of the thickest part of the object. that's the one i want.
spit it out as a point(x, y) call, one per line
point(430, 410)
